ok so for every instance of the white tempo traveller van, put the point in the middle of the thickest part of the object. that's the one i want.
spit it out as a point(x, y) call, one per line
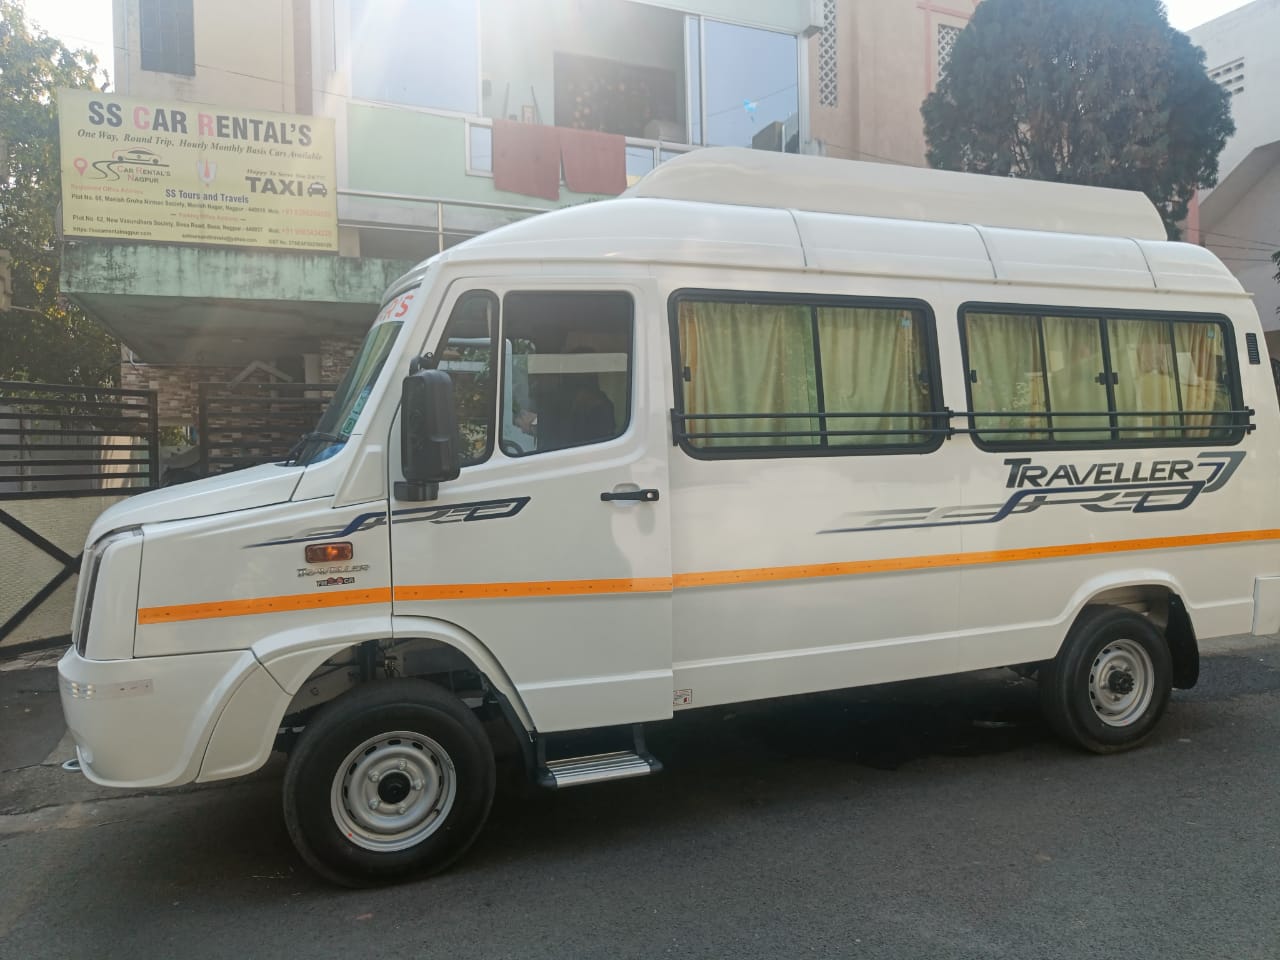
point(765, 425)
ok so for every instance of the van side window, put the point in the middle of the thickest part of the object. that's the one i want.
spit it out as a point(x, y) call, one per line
point(468, 353)
point(1040, 379)
point(567, 379)
point(811, 377)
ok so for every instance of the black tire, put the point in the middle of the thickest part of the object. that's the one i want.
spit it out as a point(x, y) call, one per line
point(1100, 692)
point(446, 746)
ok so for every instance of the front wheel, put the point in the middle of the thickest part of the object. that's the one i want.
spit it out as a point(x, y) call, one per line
point(1111, 681)
point(392, 780)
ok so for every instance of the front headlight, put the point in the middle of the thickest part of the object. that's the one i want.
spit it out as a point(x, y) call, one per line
point(90, 572)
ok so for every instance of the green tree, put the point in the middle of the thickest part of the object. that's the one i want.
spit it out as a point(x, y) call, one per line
point(44, 337)
point(1099, 92)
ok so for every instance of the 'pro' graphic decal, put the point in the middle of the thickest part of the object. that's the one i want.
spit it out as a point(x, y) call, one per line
point(441, 513)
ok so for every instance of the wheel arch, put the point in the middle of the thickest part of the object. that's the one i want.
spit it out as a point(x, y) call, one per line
point(1159, 597)
point(318, 661)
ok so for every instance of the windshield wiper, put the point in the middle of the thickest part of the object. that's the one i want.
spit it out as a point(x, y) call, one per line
point(306, 438)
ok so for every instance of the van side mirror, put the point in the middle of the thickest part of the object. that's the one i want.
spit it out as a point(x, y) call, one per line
point(428, 435)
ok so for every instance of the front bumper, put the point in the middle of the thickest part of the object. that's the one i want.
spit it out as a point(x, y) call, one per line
point(147, 722)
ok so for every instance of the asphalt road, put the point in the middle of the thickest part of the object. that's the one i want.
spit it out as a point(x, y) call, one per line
point(933, 820)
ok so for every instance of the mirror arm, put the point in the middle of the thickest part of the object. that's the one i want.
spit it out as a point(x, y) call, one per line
point(416, 491)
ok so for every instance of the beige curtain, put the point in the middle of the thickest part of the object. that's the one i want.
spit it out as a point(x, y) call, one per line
point(1008, 379)
point(872, 361)
point(1073, 349)
point(1201, 365)
point(1143, 359)
point(748, 358)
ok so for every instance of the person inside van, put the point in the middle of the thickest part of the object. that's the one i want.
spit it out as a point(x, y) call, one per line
point(569, 413)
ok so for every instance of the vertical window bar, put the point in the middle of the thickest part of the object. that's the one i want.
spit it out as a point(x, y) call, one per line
point(1109, 377)
point(817, 376)
point(692, 80)
point(1044, 378)
point(702, 78)
point(1177, 381)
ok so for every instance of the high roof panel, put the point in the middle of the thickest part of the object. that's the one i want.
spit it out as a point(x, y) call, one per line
point(760, 178)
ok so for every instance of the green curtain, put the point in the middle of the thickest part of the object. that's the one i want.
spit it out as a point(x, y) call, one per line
point(1202, 365)
point(1007, 376)
point(1073, 349)
point(1145, 365)
point(872, 361)
point(748, 358)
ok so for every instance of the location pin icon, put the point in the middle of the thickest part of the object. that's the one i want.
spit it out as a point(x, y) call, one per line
point(81, 165)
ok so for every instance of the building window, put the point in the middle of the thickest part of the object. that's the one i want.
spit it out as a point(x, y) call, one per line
point(1043, 379)
point(1230, 76)
point(567, 379)
point(947, 36)
point(612, 97)
point(828, 74)
point(805, 377)
point(167, 29)
point(743, 86)
point(419, 53)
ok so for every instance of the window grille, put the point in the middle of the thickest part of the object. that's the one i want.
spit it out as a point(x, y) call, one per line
point(947, 35)
point(828, 74)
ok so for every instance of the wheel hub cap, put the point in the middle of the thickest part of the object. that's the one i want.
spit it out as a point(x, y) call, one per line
point(394, 788)
point(1121, 683)
point(393, 791)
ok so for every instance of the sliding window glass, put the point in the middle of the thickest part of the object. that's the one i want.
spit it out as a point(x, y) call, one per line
point(424, 53)
point(1039, 379)
point(778, 375)
point(742, 86)
point(1036, 378)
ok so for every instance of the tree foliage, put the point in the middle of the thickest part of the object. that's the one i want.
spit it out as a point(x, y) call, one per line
point(1099, 92)
point(49, 339)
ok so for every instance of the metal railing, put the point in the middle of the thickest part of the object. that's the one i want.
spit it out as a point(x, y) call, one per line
point(1222, 425)
point(642, 153)
point(61, 440)
point(442, 233)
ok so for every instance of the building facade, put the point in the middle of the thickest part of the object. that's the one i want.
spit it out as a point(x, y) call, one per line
point(871, 66)
point(1239, 219)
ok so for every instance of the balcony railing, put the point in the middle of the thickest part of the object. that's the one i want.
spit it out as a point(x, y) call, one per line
point(642, 155)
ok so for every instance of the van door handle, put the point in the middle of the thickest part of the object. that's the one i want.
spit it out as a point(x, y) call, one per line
point(644, 496)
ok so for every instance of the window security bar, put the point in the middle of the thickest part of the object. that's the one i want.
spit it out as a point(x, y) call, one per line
point(1238, 419)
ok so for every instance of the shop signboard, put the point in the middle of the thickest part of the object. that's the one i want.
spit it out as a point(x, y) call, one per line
point(189, 173)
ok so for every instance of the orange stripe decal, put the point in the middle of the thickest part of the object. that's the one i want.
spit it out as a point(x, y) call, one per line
point(533, 588)
point(717, 578)
point(241, 608)
point(681, 581)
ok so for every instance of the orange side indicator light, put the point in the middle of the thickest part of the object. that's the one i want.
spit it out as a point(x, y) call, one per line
point(329, 552)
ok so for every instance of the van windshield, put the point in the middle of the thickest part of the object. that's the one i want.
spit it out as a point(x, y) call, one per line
point(339, 419)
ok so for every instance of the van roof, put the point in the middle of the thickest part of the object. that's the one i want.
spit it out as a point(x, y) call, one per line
point(762, 178)
point(977, 228)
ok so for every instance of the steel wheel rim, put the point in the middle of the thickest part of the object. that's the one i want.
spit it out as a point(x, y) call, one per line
point(393, 791)
point(1121, 682)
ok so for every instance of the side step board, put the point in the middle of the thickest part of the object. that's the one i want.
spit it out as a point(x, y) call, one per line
point(596, 768)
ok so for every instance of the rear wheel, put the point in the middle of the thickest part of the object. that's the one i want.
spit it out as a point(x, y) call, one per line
point(392, 780)
point(1110, 683)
